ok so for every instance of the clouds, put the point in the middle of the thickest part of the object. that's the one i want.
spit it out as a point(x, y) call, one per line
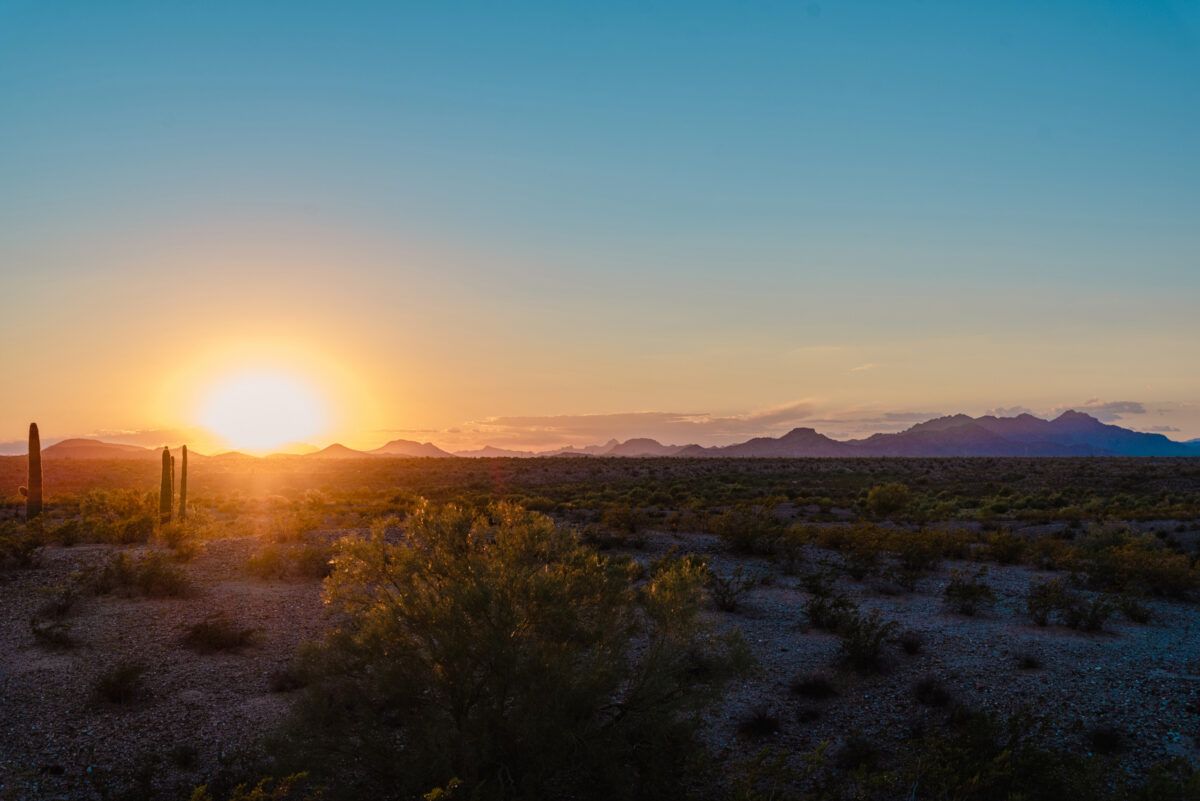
point(1106, 411)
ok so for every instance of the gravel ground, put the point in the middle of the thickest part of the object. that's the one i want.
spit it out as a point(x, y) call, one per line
point(57, 742)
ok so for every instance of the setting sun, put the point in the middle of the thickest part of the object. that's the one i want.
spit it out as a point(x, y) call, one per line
point(259, 411)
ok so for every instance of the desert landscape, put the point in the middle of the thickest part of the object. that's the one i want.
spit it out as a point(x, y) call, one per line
point(884, 627)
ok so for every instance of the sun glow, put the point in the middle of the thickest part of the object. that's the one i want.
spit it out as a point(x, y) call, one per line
point(261, 411)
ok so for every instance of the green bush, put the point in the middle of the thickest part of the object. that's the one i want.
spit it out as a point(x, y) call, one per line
point(497, 650)
point(153, 575)
point(968, 594)
point(863, 637)
point(888, 499)
point(747, 529)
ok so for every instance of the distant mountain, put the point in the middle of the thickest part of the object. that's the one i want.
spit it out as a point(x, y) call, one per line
point(95, 449)
point(1070, 434)
point(407, 447)
point(489, 452)
point(642, 446)
point(337, 451)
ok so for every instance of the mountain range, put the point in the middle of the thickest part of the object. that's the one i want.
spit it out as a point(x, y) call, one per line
point(1070, 434)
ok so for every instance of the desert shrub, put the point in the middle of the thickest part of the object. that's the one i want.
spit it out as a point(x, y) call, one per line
point(814, 686)
point(498, 650)
point(747, 529)
point(1005, 547)
point(1104, 738)
point(1139, 564)
point(828, 610)
point(911, 642)
point(624, 518)
point(760, 722)
point(728, 592)
point(218, 633)
point(152, 575)
point(789, 549)
point(121, 684)
point(290, 788)
point(862, 639)
point(968, 594)
point(1045, 598)
point(1029, 661)
point(51, 633)
point(887, 499)
point(305, 561)
point(1052, 599)
point(978, 758)
point(18, 544)
point(929, 691)
point(1134, 610)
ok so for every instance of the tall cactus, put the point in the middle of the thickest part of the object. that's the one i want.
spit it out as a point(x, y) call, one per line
point(164, 488)
point(183, 486)
point(33, 486)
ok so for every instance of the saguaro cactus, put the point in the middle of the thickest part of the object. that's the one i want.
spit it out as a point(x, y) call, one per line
point(183, 485)
point(33, 485)
point(164, 489)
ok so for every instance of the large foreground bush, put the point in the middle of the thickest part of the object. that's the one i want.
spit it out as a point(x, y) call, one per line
point(498, 655)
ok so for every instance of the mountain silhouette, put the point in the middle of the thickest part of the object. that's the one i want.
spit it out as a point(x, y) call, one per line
point(407, 447)
point(1072, 433)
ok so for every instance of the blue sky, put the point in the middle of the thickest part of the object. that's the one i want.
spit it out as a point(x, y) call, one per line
point(544, 208)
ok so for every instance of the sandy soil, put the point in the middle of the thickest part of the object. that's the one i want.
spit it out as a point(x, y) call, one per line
point(57, 741)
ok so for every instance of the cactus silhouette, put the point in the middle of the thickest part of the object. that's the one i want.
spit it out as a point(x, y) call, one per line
point(33, 487)
point(183, 486)
point(164, 489)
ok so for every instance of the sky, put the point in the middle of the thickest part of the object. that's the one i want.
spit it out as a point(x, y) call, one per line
point(537, 223)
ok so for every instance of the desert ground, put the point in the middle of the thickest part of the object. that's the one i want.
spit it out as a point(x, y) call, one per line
point(116, 683)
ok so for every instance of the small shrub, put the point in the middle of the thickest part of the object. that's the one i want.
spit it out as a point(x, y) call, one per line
point(1005, 547)
point(815, 686)
point(1045, 598)
point(929, 691)
point(121, 684)
point(761, 722)
point(887, 499)
point(218, 634)
point(747, 529)
point(1134, 610)
point(967, 594)
point(152, 575)
point(1105, 739)
point(829, 612)
point(729, 591)
point(1028, 661)
point(51, 633)
point(862, 639)
point(911, 642)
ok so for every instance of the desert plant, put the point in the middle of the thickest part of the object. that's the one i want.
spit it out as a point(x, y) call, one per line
point(295, 787)
point(165, 488)
point(51, 633)
point(746, 529)
point(929, 691)
point(499, 651)
point(910, 642)
point(968, 594)
point(32, 491)
point(729, 591)
point(814, 686)
point(153, 575)
point(760, 722)
point(887, 499)
point(183, 483)
point(218, 633)
point(863, 637)
point(120, 684)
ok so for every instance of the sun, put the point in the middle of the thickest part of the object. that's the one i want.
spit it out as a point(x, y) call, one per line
point(263, 410)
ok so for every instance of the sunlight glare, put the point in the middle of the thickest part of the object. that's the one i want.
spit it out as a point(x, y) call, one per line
point(259, 411)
